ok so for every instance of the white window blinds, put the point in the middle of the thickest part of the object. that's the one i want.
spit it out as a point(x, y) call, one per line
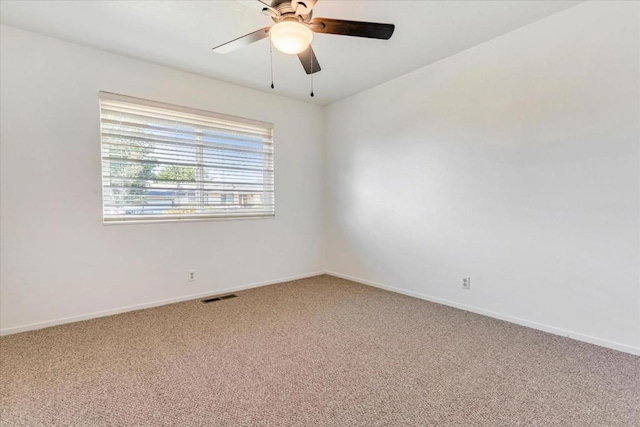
point(162, 162)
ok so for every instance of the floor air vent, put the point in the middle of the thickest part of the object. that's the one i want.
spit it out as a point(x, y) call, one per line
point(208, 300)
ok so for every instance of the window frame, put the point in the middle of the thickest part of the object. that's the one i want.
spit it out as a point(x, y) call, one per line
point(202, 193)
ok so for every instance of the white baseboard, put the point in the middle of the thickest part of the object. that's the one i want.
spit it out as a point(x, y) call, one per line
point(523, 322)
point(539, 326)
point(71, 319)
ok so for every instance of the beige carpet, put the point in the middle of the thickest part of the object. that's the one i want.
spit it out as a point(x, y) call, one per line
point(314, 352)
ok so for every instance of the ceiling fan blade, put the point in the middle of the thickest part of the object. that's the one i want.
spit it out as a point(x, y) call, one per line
point(372, 30)
point(243, 41)
point(309, 61)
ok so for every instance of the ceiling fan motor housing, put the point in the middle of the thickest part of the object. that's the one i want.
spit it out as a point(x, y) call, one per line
point(303, 7)
point(298, 9)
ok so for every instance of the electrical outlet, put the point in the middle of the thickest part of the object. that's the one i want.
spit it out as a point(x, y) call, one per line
point(466, 283)
point(192, 275)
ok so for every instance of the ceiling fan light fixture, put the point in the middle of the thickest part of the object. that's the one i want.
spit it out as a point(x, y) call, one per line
point(291, 37)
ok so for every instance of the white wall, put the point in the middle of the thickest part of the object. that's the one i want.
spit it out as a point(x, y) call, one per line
point(57, 258)
point(516, 163)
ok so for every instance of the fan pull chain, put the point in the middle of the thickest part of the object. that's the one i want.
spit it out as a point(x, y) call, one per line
point(311, 71)
point(271, 59)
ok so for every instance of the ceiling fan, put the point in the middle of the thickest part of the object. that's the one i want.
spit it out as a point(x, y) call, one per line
point(294, 27)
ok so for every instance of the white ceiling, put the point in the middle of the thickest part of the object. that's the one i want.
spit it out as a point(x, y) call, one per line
point(180, 34)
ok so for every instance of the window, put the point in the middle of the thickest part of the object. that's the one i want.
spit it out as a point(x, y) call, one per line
point(162, 162)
